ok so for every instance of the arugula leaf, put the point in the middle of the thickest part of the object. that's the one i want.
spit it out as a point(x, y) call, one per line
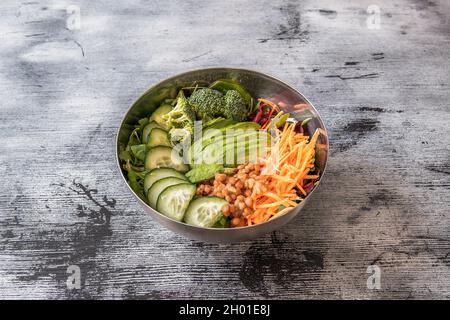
point(125, 155)
point(139, 151)
point(143, 122)
point(203, 172)
point(135, 185)
point(223, 222)
point(135, 137)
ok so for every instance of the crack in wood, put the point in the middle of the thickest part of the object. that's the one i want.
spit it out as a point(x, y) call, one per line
point(363, 76)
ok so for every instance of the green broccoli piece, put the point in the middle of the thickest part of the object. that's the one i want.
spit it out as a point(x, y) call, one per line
point(182, 115)
point(207, 103)
point(235, 106)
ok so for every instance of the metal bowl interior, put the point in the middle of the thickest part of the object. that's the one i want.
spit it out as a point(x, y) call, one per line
point(259, 85)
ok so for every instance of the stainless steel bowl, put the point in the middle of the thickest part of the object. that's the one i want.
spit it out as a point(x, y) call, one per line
point(260, 86)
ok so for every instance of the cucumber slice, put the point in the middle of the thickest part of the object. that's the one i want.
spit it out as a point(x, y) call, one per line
point(158, 137)
point(160, 173)
point(158, 113)
point(147, 129)
point(174, 200)
point(162, 156)
point(204, 211)
point(158, 187)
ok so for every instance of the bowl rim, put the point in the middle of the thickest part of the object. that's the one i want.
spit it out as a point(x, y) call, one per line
point(221, 69)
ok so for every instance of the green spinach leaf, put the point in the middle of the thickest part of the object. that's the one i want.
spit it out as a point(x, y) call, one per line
point(139, 151)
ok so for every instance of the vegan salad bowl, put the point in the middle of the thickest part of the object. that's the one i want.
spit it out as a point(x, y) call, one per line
point(222, 155)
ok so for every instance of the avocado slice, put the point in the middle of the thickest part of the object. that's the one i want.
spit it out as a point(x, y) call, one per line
point(218, 123)
point(211, 134)
point(241, 148)
point(228, 129)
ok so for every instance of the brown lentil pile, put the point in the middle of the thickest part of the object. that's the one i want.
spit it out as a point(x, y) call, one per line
point(237, 189)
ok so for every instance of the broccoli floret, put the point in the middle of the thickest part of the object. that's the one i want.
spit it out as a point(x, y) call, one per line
point(182, 115)
point(207, 102)
point(235, 107)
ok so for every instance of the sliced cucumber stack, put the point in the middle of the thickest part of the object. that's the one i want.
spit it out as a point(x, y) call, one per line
point(158, 137)
point(174, 200)
point(158, 113)
point(161, 173)
point(204, 211)
point(162, 156)
point(159, 186)
point(147, 129)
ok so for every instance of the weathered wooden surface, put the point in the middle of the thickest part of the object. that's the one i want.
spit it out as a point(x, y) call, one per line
point(384, 94)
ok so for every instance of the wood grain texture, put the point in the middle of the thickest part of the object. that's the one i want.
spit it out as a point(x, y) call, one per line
point(383, 93)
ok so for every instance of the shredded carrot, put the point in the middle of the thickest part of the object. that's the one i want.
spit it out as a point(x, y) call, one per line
point(288, 169)
point(270, 103)
point(282, 178)
point(301, 189)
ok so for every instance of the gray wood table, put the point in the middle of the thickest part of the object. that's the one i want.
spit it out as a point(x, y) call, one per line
point(377, 71)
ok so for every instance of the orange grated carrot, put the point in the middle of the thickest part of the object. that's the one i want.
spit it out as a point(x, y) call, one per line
point(270, 103)
point(289, 163)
